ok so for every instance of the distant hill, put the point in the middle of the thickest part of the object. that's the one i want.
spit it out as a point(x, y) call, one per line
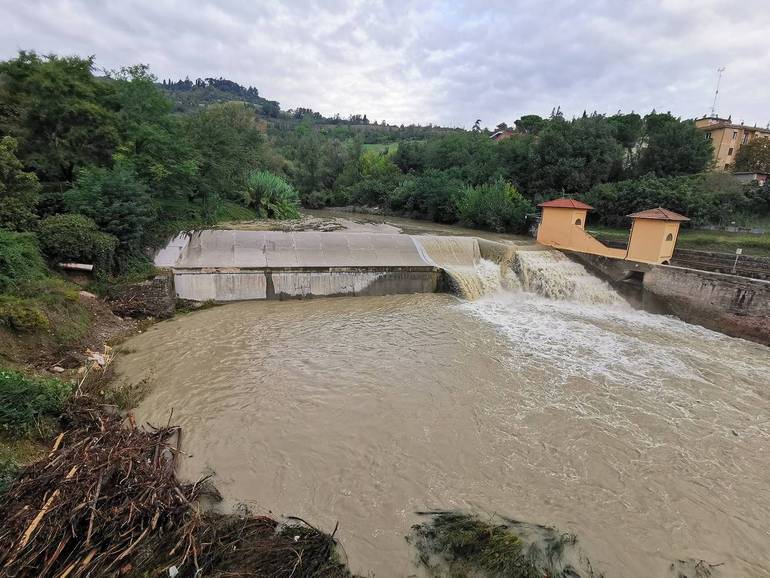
point(189, 95)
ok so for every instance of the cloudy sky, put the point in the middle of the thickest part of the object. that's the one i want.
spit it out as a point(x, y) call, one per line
point(430, 61)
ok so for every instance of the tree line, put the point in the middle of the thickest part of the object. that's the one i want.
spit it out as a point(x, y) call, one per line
point(110, 161)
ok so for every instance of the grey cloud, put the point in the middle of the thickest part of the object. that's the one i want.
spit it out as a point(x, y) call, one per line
point(429, 60)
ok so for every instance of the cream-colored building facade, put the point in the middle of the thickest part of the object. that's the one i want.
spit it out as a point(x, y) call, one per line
point(727, 138)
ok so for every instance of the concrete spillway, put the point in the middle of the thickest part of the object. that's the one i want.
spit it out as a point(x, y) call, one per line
point(239, 265)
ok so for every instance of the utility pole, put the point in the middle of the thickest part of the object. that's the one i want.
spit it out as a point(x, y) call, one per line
point(720, 70)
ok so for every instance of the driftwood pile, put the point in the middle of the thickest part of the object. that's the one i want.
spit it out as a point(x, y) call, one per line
point(106, 502)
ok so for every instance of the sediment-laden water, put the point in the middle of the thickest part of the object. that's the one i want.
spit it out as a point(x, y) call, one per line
point(555, 403)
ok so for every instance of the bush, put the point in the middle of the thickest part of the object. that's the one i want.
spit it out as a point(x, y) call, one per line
point(497, 206)
point(709, 198)
point(73, 237)
point(21, 265)
point(433, 195)
point(21, 315)
point(26, 403)
point(116, 200)
point(273, 197)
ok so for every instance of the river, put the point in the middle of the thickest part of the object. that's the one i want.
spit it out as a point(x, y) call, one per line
point(551, 401)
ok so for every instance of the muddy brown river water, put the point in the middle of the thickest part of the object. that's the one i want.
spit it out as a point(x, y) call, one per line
point(647, 437)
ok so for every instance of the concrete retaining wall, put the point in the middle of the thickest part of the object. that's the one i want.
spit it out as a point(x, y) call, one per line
point(302, 283)
point(735, 305)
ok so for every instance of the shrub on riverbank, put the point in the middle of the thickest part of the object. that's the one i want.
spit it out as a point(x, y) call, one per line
point(497, 206)
point(29, 404)
point(21, 266)
point(271, 196)
point(73, 237)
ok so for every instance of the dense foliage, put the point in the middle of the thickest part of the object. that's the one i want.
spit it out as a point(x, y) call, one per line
point(27, 402)
point(754, 156)
point(141, 158)
point(706, 198)
point(19, 189)
point(76, 238)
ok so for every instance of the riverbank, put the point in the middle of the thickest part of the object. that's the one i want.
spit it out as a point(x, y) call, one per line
point(86, 491)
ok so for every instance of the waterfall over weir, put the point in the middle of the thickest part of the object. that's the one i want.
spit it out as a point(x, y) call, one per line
point(548, 273)
point(245, 265)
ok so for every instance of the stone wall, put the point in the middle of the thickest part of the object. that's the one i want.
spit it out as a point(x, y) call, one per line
point(734, 305)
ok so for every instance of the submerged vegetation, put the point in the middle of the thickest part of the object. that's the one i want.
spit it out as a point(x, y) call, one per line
point(464, 545)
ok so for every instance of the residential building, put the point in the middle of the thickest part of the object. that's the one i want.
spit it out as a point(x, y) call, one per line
point(727, 138)
point(503, 134)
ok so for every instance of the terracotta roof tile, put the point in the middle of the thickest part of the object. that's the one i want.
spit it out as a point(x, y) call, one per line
point(564, 203)
point(659, 213)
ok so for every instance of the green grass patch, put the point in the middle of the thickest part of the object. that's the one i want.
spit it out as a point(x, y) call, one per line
point(30, 405)
point(389, 148)
point(717, 241)
point(229, 211)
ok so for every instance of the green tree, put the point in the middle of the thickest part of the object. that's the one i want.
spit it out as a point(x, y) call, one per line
point(19, 190)
point(754, 156)
point(530, 124)
point(571, 157)
point(673, 147)
point(227, 144)
point(63, 117)
point(496, 206)
point(72, 237)
point(432, 195)
point(151, 138)
point(117, 201)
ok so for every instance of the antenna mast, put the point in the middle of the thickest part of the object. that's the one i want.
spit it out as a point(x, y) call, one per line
point(720, 70)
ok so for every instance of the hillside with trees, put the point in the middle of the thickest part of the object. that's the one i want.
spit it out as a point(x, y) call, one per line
point(121, 160)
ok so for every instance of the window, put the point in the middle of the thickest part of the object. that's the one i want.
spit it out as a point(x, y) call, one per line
point(578, 222)
point(735, 134)
point(745, 137)
point(669, 237)
point(727, 166)
point(730, 152)
point(707, 136)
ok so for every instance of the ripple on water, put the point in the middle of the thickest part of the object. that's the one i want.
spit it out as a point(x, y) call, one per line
point(645, 436)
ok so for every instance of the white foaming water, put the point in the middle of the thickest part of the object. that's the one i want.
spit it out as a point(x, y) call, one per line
point(552, 274)
point(473, 282)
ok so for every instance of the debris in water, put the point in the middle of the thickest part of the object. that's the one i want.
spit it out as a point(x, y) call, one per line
point(694, 569)
point(461, 544)
point(106, 502)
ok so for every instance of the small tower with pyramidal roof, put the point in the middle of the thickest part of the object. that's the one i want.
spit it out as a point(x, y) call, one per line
point(653, 235)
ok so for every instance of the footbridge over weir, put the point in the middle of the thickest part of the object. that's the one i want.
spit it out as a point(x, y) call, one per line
point(229, 265)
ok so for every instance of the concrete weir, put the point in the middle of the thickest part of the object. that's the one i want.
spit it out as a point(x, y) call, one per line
point(240, 265)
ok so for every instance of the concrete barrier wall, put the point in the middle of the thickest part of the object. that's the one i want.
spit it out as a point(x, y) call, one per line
point(299, 283)
point(240, 265)
point(735, 305)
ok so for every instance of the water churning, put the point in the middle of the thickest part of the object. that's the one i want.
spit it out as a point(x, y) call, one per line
point(546, 398)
